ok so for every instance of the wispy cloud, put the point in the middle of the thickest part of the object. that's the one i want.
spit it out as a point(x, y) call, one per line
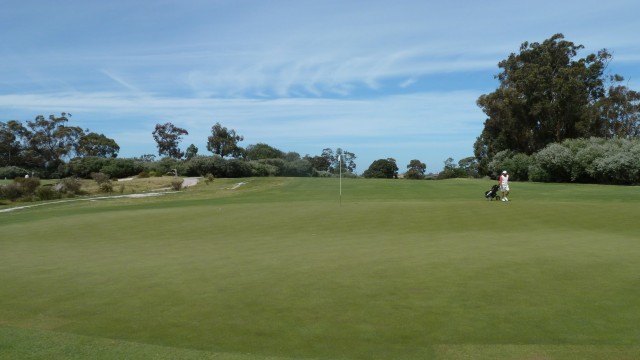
point(293, 124)
point(120, 81)
point(384, 78)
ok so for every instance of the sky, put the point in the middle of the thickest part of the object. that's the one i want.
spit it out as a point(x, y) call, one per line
point(381, 79)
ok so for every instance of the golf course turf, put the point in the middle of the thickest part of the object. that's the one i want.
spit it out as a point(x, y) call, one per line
point(279, 268)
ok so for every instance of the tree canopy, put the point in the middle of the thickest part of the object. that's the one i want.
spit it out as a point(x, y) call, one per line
point(262, 151)
point(168, 137)
point(45, 143)
point(546, 95)
point(382, 169)
point(224, 142)
point(415, 169)
point(93, 144)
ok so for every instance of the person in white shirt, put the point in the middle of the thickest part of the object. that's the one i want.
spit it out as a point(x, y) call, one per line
point(504, 185)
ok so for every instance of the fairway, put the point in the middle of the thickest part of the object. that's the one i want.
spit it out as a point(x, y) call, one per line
point(280, 268)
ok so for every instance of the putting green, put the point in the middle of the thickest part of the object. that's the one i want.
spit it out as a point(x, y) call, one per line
point(280, 268)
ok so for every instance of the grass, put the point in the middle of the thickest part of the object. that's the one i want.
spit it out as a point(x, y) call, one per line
point(277, 268)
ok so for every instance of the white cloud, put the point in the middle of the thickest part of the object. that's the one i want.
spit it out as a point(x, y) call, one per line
point(409, 122)
point(295, 74)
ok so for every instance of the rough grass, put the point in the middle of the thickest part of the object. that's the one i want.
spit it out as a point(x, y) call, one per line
point(402, 270)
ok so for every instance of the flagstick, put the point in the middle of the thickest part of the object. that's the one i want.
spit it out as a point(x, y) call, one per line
point(340, 165)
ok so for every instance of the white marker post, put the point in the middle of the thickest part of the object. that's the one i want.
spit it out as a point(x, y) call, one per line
point(340, 165)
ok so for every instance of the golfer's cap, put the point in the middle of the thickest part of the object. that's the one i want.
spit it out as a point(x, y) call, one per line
point(504, 172)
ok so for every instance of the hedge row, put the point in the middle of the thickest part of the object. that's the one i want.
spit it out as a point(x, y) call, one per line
point(593, 160)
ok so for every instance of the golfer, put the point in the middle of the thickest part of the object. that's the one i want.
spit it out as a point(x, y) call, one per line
point(504, 185)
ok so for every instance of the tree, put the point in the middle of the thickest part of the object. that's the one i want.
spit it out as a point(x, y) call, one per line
point(451, 170)
point(344, 159)
point(545, 96)
point(319, 163)
point(620, 112)
point(416, 169)
point(262, 151)
point(192, 151)
point(329, 158)
point(469, 166)
point(50, 140)
point(382, 169)
point(93, 144)
point(224, 142)
point(167, 137)
point(10, 143)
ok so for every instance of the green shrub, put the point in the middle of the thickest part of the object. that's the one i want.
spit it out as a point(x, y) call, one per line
point(100, 178)
point(46, 193)
point(499, 163)
point(620, 168)
point(259, 168)
point(556, 160)
point(104, 183)
point(176, 184)
point(27, 186)
point(84, 167)
point(238, 168)
point(201, 165)
point(299, 167)
point(518, 167)
point(276, 166)
point(122, 168)
point(12, 172)
point(70, 186)
point(10, 192)
point(106, 187)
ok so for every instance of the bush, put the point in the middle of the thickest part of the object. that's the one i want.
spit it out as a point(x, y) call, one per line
point(556, 160)
point(27, 186)
point(10, 192)
point(321, 174)
point(593, 160)
point(298, 167)
point(518, 167)
point(176, 184)
point(84, 167)
point(208, 179)
point(100, 178)
point(238, 168)
point(121, 168)
point(584, 167)
point(622, 168)
point(499, 163)
point(538, 174)
point(46, 193)
point(201, 165)
point(12, 172)
point(276, 166)
point(104, 183)
point(70, 185)
point(262, 169)
point(106, 187)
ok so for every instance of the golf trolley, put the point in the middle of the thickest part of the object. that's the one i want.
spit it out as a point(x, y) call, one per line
point(492, 194)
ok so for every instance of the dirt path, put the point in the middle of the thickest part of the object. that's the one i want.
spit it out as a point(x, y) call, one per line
point(190, 181)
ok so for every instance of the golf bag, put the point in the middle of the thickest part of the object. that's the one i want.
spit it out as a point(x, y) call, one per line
point(493, 193)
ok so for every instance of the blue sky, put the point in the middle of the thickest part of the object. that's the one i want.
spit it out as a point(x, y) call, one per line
point(381, 79)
